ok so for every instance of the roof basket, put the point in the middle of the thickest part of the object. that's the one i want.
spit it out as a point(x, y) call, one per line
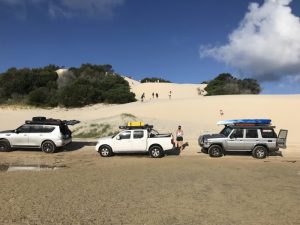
point(146, 126)
point(49, 121)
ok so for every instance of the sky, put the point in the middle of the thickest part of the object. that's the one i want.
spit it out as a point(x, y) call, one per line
point(185, 41)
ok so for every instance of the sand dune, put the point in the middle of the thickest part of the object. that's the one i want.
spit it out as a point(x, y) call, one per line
point(197, 114)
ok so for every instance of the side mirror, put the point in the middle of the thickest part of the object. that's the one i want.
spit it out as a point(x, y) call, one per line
point(232, 136)
point(17, 131)
point(118, 138)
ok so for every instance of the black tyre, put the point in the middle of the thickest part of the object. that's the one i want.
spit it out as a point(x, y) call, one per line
point(48, 147)
point(4, 146)
point(105, 151)
point(260, 152)
point(156, 152)
point(215, 151)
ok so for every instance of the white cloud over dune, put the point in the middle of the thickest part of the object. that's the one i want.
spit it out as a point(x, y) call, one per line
point(266, 45)
point(66, 8)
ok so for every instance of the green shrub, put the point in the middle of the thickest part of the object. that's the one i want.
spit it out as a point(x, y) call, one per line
point(226, 84)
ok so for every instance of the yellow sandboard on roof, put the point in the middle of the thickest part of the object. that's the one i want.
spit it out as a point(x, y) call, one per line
point(135, 124)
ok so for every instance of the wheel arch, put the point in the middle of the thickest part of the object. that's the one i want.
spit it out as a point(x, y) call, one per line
point(218, 144)
point(261, 145)
point(105, 145)
point(4, 139)
point(155, 145)
point(47, 140)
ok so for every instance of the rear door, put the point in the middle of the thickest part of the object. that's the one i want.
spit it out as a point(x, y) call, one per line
point(250, 140)
point(282, 137)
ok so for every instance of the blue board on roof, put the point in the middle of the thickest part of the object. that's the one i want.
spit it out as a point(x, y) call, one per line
point(246, 121)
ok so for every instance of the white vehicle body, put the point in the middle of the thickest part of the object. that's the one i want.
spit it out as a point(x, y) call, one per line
point(40, 132)
point(135, 141)
point(34, 135)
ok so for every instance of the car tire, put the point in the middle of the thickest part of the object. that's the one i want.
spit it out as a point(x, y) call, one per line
point(260, 152)
point(215, 151)
point(105, 151)
point(4, 146)
point(48, 147)
point(156, 152)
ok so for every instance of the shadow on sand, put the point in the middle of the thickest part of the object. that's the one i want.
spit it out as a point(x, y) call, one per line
point(76, 145)
point(242, 153)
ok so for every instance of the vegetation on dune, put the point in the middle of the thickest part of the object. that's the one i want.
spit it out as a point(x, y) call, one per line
point(88, 84)
point(94, 131)
point(226, 84)
point(154, 79)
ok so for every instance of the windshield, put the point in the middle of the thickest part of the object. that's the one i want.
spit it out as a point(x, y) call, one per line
point(226, 131)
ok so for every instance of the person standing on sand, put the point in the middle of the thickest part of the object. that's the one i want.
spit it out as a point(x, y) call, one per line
point(179, 137)
point(170, 95)
point(153, 95)
point(156, 95)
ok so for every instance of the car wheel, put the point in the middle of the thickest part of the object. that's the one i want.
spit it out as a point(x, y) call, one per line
point(4, 146)
point(105, 151)
point(215, 151)
point(156, 152)
point(48, 147)
point(259, 152)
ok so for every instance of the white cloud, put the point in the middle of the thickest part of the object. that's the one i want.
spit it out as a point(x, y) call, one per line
point(266, 45)
point(67, 8)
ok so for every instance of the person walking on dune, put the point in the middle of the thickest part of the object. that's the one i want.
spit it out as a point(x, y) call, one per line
point(142, 97)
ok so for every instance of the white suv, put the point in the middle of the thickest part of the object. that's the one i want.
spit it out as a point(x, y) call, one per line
point(46, 134)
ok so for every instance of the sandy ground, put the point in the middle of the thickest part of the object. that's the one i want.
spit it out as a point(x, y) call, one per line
point(186, 189)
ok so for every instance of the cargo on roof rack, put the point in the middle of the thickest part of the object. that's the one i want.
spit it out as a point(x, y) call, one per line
point(44, 121)
point(145, 126)
point(246, 122)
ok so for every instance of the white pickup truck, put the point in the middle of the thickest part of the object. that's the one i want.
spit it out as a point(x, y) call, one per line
point(135, 141)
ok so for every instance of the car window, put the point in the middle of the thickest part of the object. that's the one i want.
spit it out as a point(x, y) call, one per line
point(226, 131)
point(48, 129)
point(138, 134)
point(125, 135)
point(237, 133)
point(268, 133)
point(251, 133)
point(23, 129)
point(36, 129)
point(41, 129)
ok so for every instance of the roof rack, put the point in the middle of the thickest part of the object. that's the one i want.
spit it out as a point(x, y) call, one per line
point(146, 126)
point(40, 120)
point(254, 126)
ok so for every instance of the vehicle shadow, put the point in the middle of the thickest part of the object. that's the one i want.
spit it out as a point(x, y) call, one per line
point(75, 146)
point(242, 153)
point(174, 151)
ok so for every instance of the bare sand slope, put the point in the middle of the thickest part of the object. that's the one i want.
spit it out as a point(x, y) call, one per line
point(196, 114)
